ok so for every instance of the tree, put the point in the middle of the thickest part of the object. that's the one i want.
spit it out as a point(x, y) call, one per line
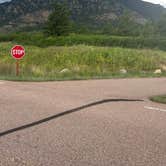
point(126, 25)
point(148, 29)
point(161, 26)
point(58, 23)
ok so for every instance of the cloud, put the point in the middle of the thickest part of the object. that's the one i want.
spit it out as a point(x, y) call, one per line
point(1, 1)
point(161, 2)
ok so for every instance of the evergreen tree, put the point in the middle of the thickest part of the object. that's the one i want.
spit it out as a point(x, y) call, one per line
point(161, 26)
point(127, 26)
point(58, 23)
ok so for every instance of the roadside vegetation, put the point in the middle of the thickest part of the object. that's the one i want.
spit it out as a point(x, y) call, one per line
point(40, 40)
point(64, 51)
point(159, 99)
point(81, 62)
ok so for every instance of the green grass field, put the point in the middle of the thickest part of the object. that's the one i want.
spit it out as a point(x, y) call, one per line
point(80, 62)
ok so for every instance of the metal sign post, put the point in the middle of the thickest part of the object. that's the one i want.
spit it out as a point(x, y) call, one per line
point(17, 67)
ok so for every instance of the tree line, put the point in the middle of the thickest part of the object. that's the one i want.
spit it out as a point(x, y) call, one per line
point(59, 23)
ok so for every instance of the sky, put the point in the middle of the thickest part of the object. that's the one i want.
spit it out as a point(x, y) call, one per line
point(3, 1)
point(162, 2)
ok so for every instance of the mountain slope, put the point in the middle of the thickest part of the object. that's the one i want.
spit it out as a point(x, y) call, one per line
point(33, 12)
point(146, 9)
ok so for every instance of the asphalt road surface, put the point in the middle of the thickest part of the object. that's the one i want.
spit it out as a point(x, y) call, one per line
point(82, 123)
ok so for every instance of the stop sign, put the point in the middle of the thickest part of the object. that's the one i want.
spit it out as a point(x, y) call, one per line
point(18, 52)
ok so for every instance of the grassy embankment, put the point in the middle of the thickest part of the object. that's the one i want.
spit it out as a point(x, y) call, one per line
point(159, 99)
point(79, 61)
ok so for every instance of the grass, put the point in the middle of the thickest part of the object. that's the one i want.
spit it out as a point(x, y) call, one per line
point(80, 62)
point(159, 99)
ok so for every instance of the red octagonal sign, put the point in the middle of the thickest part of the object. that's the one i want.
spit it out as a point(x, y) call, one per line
point(18, 52)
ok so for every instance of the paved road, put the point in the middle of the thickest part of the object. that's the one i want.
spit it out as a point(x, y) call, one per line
point(118, 133)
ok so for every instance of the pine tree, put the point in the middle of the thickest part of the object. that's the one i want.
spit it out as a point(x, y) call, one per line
point(58, 23)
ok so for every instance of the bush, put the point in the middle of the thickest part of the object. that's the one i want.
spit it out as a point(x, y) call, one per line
point(38, 39)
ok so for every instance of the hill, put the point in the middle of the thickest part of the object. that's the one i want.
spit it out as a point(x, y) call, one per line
point(95, 12)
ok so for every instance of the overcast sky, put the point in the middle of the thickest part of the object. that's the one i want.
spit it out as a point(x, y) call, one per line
point(4, 0)
point(162, 2)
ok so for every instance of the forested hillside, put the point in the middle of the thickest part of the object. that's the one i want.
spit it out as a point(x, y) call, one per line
point(94, 12)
